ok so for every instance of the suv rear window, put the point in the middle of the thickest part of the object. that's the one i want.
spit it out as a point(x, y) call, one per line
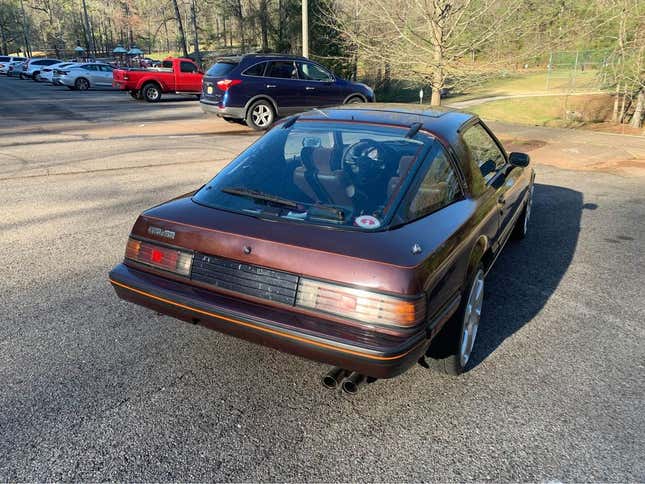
point(221, 68)
point(344, 175)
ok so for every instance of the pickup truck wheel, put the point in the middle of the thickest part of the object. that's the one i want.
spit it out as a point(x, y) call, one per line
point(82, 84)
point(151, 92)
point(522, 225)
point(260, 115)
point(451, 349)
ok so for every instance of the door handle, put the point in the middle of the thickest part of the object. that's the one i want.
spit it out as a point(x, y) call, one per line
point(270, 85)
point(310, 88)
point(501, 200)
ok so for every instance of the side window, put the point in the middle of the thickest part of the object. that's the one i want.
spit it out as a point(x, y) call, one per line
point(167, 64)
point(483, 149)
point(438, 188)
point(256, 70)
point(51, 62)
point(312, 72)
point(90, 68)
point(282, 70)
point(107, 68)
point(185, 66)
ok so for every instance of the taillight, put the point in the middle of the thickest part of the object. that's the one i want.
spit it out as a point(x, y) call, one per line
point(226, 84)
point(173, 260)
point(366, 306)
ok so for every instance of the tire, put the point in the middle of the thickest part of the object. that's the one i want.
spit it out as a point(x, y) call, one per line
point(260, 115)
point(82, 84)
point(71, 88)
point(451, 349)
point(22, 76)
point(522, 224)
point(151, 92)
point(355, 100)
point(35, 76)
point(136, 95)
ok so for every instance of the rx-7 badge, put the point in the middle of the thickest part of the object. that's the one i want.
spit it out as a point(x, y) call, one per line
point(159, 232)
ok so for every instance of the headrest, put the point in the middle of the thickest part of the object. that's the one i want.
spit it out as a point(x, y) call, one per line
point(316, 158)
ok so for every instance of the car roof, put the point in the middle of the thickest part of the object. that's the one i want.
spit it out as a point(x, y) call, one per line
point(259, 57)
point(441, 121)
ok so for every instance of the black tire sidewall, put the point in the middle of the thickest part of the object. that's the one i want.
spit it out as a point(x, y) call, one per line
point(443, 351)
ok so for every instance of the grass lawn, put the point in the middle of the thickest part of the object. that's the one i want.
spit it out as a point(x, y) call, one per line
point(562, 111)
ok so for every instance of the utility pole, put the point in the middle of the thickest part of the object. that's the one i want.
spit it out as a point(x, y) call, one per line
point(88, 31)
point(305, 28)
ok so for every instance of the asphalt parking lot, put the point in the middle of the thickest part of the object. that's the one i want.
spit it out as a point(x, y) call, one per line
point(97, 389)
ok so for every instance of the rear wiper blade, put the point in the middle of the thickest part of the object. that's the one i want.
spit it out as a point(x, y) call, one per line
point(262, 197)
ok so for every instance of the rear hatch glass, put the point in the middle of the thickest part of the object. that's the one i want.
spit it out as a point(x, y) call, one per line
point(345, 175)
point(221, 68)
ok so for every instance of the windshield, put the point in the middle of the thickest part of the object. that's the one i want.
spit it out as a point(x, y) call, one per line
point(341, 174)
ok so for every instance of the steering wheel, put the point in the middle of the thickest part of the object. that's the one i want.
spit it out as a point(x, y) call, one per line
point(364, 160)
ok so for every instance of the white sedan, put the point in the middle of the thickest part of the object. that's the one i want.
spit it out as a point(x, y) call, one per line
point(47, 73)
point(82, 77)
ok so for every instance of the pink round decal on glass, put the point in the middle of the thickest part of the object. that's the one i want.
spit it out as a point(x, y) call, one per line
point(367, 222)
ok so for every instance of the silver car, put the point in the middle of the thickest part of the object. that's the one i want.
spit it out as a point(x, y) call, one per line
point(85, 76)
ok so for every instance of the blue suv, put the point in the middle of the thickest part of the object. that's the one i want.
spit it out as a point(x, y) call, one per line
point(258, 88)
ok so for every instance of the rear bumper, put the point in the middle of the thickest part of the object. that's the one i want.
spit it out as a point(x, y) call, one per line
point(381, 357)
point(217, 109)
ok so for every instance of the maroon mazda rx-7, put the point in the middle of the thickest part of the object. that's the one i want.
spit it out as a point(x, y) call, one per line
point(358, 236)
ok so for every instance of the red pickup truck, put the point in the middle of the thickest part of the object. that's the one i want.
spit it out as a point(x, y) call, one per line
point(176, 75)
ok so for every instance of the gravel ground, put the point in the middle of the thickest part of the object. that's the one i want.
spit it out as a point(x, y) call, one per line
point(97, 389)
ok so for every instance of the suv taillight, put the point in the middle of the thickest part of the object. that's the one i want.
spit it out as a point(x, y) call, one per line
point(226, 84)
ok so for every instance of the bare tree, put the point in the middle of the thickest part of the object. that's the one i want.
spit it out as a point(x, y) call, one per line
point(436, 40)
point(180, 26)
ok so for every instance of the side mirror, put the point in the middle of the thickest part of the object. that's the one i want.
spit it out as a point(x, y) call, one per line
point(519, 159)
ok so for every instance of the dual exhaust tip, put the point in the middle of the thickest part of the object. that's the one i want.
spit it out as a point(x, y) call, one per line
point(349, 381)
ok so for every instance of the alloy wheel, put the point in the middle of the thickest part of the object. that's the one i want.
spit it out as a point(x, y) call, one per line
point(262, 115)
point(471, 318)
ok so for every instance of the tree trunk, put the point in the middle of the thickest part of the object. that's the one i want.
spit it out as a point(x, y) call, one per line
point(621, 112)
point(264, 25)
point(25, 29)
point(182, 36)
point(639, 110)
point(88, 30)
point(614, 113)
point(193, 16)
point(3, 36)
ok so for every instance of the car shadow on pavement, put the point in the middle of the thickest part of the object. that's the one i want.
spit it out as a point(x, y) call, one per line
point(529, 271)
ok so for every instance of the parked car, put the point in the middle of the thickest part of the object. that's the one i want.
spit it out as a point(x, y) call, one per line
point(32, 67)
point(47, 73)
point(258, 88)
point(358, 236)
point(15, 68)
point(176, 75)
point(82, 77)
point(7, 60)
